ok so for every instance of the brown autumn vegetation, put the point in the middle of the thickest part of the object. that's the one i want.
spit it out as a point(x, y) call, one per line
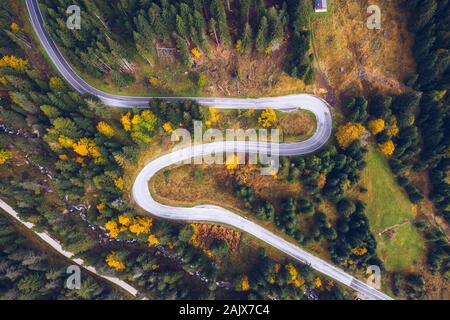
point(232, 74)
point(209, 232)
point(356, 60)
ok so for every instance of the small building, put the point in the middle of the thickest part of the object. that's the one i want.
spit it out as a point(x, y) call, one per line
point(320, 6)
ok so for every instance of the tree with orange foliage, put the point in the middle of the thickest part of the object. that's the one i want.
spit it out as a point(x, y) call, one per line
point(359, 251)
point(387, 148)
point(245, 283)
point(14, 27)
point(63, 157)
point(194, 239)
point(322, 180)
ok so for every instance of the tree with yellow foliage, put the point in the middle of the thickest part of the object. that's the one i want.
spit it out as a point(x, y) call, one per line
point(141, 226)
point(322, 180)
point(267, 118)
point(214, 116)
point(14, 27)
point(168, 127)
point(196, 53)
point(66, 142)
point(232, 163)
point(5, 156)
point(207, 252)
point(94, 151)
point(105, 129)
point(202, 81)
point(318, 283)
point(56, 83)
point(152, 240)
point(296, 279)
point(387, 148)
point(154, 81)
point(136, 120)
point(125, 119)
point(125, 220)
point(80, 161)
point(113, 228)
point(238, 46)
point(348, 133)
point(194, 239)
point(143, 126)
point(359, 251)
point(245, 283)
point(393, 130)
point(114, 263)
point(119, 183)
point(376, 126)
point(149, 120)
point(86, 147)
point(14, 62)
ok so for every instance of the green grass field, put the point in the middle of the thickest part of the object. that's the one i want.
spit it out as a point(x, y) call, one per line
point(389, 207)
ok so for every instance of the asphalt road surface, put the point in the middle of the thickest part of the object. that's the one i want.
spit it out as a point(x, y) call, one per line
point(208, 213)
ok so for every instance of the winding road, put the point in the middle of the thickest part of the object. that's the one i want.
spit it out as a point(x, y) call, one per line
point(208, 213)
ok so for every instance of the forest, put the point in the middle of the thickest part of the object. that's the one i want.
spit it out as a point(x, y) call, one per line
point(28, 274)
point(429, 22)
point(63, 156)
point(121, 32)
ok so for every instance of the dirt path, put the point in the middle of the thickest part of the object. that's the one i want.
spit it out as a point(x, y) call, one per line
point(395, 226)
